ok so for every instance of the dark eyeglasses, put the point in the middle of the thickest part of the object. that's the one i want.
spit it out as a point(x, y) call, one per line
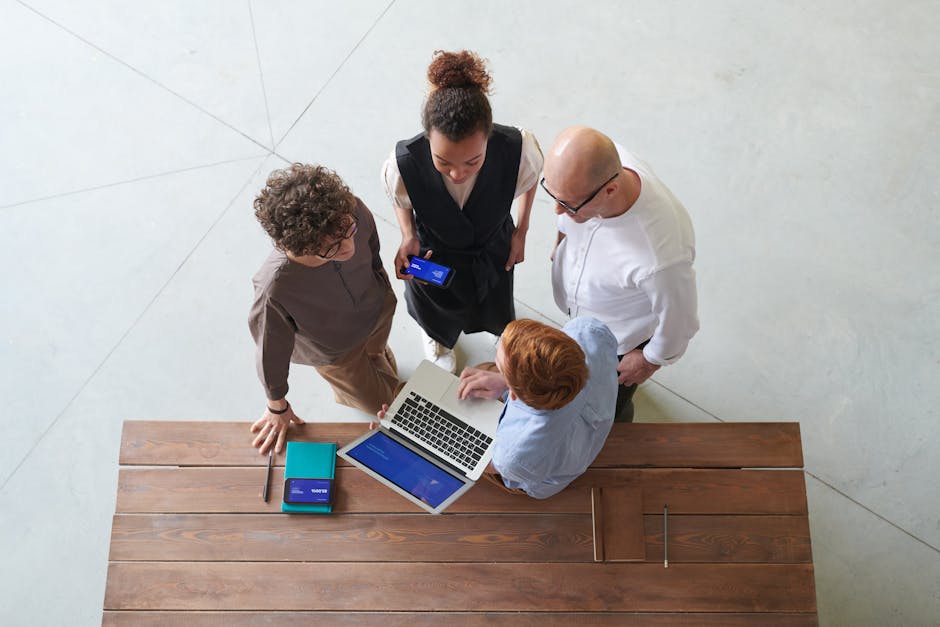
point(589, 198)
point(330, 252)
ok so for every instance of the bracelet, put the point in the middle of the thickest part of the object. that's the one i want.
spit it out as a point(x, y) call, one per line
point(279, 411)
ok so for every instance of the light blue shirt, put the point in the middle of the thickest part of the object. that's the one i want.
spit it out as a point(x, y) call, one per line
point(542, 451)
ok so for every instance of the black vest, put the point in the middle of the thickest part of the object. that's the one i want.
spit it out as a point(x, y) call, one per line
point(475, 241)
point(439, 221)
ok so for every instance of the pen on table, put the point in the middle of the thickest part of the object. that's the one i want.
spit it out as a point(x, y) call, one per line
point(267, 477)
point(665, 536)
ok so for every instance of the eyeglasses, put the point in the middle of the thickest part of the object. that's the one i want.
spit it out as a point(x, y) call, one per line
point(589, 198)
point(330, 252)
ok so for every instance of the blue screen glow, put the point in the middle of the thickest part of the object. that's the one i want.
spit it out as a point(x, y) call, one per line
point(428, 270)
point(308, 491)
point(406, 469)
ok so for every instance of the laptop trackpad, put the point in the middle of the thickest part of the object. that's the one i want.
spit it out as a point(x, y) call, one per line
point(481, 413)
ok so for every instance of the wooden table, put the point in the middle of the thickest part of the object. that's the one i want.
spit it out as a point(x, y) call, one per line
point(193, 543)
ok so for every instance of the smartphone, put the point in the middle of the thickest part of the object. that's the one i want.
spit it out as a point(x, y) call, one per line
point(433, 273)
point(308, 491)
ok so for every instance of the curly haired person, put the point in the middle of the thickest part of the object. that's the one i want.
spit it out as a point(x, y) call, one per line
point(452, 187)
point(322, 297)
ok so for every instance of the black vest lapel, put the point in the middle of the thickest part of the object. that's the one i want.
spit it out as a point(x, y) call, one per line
point(440, 221)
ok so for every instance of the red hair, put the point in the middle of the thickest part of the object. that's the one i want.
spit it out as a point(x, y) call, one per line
point(543, 366)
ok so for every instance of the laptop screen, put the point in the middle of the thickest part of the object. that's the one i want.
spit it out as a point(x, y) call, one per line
point(405, 468)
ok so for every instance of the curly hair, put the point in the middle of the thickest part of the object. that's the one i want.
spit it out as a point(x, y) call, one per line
point(543, 365)
point(304, 206)
point(457, 105)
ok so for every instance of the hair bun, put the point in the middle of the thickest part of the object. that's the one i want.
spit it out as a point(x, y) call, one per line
point(459, 69)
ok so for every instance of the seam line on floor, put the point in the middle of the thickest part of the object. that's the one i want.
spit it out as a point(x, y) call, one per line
point(333, 75)
point(264, 91)
point(140, 73)
point(130, 328)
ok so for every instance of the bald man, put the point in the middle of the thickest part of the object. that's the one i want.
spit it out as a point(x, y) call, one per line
point(624, 254)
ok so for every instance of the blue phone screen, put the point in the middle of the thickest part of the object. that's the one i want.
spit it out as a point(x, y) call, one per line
point(405, 468)
point(308, 491)
point(428, 270)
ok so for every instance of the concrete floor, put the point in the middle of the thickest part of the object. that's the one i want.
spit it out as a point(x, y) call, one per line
point(803, 137)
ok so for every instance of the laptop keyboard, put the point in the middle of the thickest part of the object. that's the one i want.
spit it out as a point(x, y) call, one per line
point(441, 430)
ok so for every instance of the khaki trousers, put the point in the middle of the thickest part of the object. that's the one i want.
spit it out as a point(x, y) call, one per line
point(367, 376)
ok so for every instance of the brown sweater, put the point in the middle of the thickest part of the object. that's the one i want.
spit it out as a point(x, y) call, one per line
point(314, 316)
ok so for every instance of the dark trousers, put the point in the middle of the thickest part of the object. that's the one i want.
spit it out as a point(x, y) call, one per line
point(623, 411)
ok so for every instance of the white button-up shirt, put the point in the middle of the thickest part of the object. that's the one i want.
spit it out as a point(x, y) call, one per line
point(634, 271)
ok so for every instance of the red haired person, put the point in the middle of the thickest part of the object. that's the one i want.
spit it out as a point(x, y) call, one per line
point(560, 388)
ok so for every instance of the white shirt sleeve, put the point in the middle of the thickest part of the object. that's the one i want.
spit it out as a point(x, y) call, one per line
point(675, 303)
point(393, 184)
point(530, 163)
point(530, 167)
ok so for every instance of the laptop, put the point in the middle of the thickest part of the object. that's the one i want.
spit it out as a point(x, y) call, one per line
point(430, 447)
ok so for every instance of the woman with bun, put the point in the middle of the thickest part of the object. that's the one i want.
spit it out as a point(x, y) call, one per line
point(452, 188)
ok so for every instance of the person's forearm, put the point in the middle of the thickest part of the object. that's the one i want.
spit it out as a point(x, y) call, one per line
point(406, 222)
point(525, 209)
point(674, 301)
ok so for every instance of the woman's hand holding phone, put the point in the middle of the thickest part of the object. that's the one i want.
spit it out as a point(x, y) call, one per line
point(410, 247)
point(400, 271)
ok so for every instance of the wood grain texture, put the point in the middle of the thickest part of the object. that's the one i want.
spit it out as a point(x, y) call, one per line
point(436, 619)
point(702, 445)
point(402, 537)
point(169, 443)
point(622, 524)
point(352, 538)
point(238, 490)
point(670, 445)
point(194, 544)
point(707, 491)
point(738, 539)
point(344, 586)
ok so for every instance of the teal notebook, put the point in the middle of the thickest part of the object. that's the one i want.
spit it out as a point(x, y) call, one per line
point(309, 460)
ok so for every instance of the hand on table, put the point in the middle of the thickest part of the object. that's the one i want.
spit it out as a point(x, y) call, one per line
point(272, 428)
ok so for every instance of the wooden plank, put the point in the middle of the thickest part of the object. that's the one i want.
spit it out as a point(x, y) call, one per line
point(351, 538)
point(256, 537)
point(711, 491)
point(435, 619)
point(344, 586)
point(724, 491)
point(238, 490)
point(172, 443)
point(622, 524)
point(738, 539)
point(702, 445)
point(675, 445)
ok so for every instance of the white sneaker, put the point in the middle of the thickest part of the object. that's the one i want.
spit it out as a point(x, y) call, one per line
point(438, 354)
